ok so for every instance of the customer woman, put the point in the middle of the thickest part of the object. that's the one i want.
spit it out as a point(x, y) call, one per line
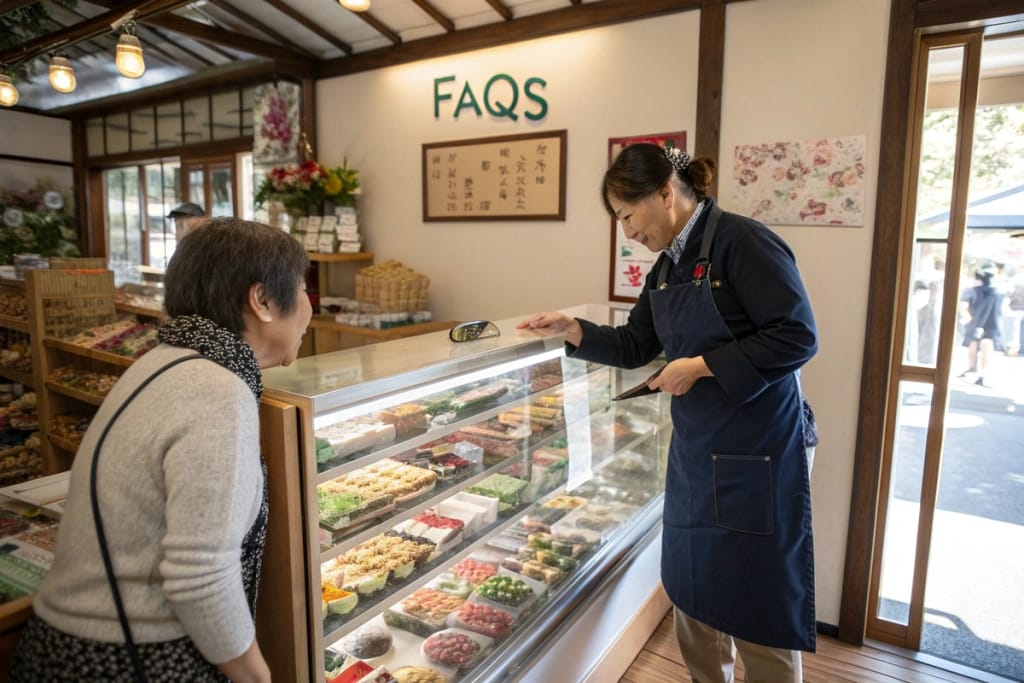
point(725, 303)
point(158, 553)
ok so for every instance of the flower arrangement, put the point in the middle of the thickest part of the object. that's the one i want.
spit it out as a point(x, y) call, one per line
point(36, 220)
point(306, 186)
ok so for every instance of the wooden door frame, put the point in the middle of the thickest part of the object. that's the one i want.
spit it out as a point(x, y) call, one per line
point(908, 21)
point(206, 163)
point(909, 635)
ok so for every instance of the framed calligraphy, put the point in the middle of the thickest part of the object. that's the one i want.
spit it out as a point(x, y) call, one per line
point(511, 177)
point(630, 262)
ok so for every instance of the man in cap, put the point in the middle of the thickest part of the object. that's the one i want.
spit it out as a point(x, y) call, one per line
point(185, 218)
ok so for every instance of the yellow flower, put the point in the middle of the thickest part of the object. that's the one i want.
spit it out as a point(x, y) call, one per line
point(332, 184)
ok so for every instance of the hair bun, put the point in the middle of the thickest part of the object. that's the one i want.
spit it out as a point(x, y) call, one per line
point(679, 159)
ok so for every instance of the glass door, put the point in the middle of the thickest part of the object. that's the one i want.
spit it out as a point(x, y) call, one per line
point(212, 184)
point(951, 515)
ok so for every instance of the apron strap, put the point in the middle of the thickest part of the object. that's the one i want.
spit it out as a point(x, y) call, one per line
point(705, 248)
point(709, 231)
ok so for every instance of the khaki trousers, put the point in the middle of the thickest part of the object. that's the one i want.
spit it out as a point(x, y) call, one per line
point(710, 655)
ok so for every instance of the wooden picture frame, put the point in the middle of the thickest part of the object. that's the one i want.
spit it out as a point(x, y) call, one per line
point(507, 178)
point(630, 263)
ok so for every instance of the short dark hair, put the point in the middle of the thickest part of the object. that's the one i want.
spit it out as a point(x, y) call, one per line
point(643, 168)
point(215, 264)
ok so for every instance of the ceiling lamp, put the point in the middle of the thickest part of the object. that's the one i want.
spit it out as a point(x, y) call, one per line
point(355, 5)
point(62, 75)
point(129, 53)
point(8, 93)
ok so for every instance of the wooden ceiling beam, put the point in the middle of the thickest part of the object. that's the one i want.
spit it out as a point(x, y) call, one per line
point(216, 36)
point(379, 26)
point(445, 23)
point(217, 78)
point(260, 26)
point(212, 36)
point(316, 28)
point(87, 29)
point(565, 20)
point(501, 9)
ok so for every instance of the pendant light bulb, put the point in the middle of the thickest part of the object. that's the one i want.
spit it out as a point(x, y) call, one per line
point(355, 5)
point(129, 56)
point(62, 75)
point(8, 93)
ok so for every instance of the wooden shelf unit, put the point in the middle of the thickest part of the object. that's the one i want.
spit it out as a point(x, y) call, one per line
point(20, 324)
point(62, 304)
point(325, 333)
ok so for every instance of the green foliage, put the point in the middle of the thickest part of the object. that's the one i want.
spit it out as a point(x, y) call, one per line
point(997, 157)
point(24, 24)
point(28, 225)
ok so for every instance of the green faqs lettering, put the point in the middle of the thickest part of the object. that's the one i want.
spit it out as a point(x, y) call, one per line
point(501, 97)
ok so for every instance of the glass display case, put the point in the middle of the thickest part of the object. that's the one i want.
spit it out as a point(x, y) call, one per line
point(461, 499)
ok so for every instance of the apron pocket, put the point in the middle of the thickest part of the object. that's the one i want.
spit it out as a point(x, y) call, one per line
point(743, 493)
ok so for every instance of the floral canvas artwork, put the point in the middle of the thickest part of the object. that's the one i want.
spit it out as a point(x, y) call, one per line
point(276, 119)
point(814, 182)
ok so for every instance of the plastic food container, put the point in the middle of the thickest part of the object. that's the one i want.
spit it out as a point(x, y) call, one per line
point(456, 648)
point(483, 619)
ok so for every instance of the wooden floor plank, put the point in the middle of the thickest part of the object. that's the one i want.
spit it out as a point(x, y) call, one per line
point(834, 662)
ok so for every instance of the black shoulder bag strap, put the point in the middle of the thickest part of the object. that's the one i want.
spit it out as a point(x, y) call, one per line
point(140, 672)
point(703, 267)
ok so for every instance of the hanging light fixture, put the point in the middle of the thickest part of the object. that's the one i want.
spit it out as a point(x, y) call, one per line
point(129, 52)
point(8, 93)
point(355, 5)
point(62, 75)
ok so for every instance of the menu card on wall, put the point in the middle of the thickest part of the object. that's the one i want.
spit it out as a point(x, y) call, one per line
point(513, 177)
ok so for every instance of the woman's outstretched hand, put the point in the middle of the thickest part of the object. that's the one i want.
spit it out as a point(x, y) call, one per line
point(553, 321)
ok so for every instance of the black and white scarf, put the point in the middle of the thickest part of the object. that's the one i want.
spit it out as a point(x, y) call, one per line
point(216, 343)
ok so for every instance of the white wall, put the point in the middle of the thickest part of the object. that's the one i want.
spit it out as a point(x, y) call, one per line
point(39, 137)
point(796, 69)
point(793, 69)
point(631, 79)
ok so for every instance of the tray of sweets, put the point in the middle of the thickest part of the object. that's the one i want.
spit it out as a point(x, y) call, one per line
point(444, 532)
point(340, 508)
point(478, 617)
point(474, 569)
point(504, 488)
point(456, 649)
point(514, 593)
point(424, 612)
point(592, 523)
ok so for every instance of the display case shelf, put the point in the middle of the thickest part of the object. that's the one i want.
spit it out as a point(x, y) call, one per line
point(333, 468)
point(21, 376)
point(77, 394)
point(91, 354)
point(11, 323)
point(65, 444)
point(410, 509)
point(335, 627)
point(140, 310)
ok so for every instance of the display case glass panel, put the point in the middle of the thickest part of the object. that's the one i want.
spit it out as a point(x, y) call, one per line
point(456, 493)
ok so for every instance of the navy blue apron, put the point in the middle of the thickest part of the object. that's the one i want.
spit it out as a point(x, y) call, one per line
point(737, 552)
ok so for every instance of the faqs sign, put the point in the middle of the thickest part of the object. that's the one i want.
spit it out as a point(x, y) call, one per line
point(500, 98)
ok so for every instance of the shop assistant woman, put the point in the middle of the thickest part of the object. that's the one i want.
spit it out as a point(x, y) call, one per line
point(726, 304)
point(164, 588)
